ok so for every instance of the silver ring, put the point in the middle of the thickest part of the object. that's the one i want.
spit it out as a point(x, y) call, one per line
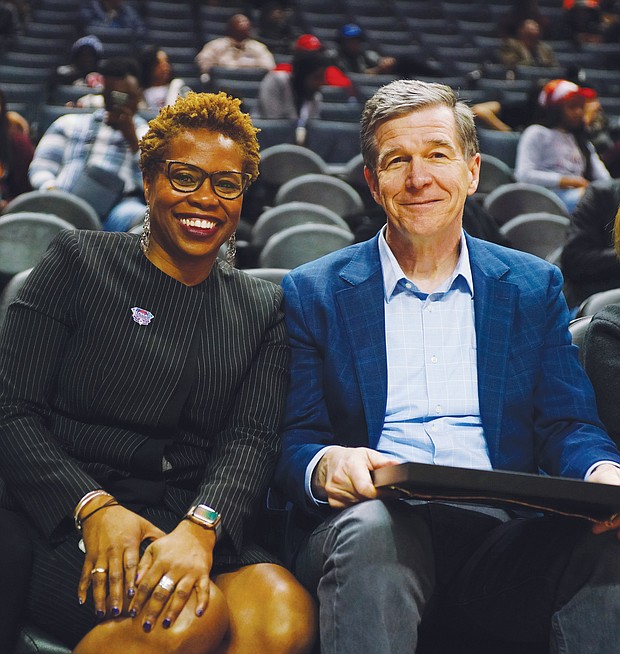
point(166, 583)
point(95, 571)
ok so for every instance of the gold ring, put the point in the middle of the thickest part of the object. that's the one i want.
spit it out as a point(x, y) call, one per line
point(94, 571)
point(610, 521)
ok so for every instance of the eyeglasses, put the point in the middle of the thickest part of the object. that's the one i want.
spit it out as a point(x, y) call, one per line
point(187, 178)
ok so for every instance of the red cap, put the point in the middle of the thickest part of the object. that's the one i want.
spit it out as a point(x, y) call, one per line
point(308, 42)
point(558, 91)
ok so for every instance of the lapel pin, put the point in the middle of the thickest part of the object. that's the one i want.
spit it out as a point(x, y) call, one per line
point(141, 316)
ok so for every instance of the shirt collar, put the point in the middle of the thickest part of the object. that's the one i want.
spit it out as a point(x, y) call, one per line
point(393, 273)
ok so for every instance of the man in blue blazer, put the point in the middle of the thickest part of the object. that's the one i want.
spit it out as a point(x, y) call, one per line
point(426, 345)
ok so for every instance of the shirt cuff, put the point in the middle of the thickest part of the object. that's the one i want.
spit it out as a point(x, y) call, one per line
point(310, 471)
point(593, 467)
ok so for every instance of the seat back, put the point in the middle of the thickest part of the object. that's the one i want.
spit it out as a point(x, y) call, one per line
point(597, 301)
point(335, 141)
point(280, 163)
point(502, 145)
point(493, 173)
point(578, 328)
point(510, 200)
point(275, 219)
point(61, 203)
point(328, 191)
point(294, 246)
point(24, 237)
point(538, 233)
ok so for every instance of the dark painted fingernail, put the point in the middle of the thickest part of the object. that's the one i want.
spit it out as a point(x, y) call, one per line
point(131, 592)
point(147, 627)
point(115, 611)
point(100, 614)
point(166, 623)
point(199, 612)
point(133, 613)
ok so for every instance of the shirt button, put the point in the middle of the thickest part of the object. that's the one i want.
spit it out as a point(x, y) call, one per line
point(438, 408)
point(433, 359)
point(429, 308)
point(408, 285)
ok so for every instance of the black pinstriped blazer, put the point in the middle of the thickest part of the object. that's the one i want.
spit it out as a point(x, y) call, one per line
point(89, 396)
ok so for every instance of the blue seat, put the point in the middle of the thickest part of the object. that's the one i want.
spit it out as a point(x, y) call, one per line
point(501, 145)
point(326, 190)
point(274, 131)
point(335, 141)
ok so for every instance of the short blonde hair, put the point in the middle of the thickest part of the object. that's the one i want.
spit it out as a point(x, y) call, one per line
point(216, 112)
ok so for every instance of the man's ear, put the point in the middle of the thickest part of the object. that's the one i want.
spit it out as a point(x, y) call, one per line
point(373, 184)
point(474, 172)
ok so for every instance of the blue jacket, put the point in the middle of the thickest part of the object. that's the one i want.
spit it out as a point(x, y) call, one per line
point(537, 405)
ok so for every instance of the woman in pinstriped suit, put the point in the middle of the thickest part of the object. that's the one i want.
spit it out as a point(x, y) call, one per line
point(141, 386)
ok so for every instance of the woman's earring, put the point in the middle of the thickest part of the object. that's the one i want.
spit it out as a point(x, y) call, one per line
point(145, 237)
point(231, 250)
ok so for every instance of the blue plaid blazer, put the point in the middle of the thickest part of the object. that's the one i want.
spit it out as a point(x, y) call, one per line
point(537, 405)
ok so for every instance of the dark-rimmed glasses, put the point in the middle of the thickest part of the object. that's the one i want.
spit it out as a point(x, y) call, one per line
point(187, 178)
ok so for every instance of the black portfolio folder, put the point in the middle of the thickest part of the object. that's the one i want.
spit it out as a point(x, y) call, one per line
point(571, 497)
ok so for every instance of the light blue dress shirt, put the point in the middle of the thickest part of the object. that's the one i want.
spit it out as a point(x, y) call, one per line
point(432, 413)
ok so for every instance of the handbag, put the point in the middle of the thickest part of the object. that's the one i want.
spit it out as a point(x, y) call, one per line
point(101, 188)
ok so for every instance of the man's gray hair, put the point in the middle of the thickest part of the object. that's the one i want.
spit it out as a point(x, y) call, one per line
point(403, 96)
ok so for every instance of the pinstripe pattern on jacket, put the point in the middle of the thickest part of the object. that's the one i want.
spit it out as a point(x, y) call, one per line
point(84, 389)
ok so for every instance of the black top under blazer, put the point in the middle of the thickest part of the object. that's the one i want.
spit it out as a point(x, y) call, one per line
point(163, 411)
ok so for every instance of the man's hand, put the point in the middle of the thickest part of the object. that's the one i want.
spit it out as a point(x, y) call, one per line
point(573, 181)
point(342, 476)
point(121, 118)
point(607, 474)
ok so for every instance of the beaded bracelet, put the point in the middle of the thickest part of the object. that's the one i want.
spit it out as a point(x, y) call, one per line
point(106, 505)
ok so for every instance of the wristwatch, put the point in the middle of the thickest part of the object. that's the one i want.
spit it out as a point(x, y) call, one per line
point(206, 517)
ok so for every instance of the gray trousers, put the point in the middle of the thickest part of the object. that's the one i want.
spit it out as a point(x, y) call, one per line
point(383, 570)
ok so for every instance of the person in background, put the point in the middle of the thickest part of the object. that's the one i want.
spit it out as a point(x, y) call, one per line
point(107, 138)
point(295, 94)
point(353, 55)
point(526, 48)
point(16, 151)
point(557, 153)
point(142, 381)
point(333, 75)
point(83, 70)
point(426, 345)
point(519, 11)
point(601, 350)
point(10, 23)
point(510, 115)
point(159, 87)
point(235, 50)
point(583, 21)
point(589, 262)
point(114, 14)
point(276, 29)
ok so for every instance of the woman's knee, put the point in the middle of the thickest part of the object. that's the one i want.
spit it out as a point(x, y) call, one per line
point(268, 606)
point(189, 634)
